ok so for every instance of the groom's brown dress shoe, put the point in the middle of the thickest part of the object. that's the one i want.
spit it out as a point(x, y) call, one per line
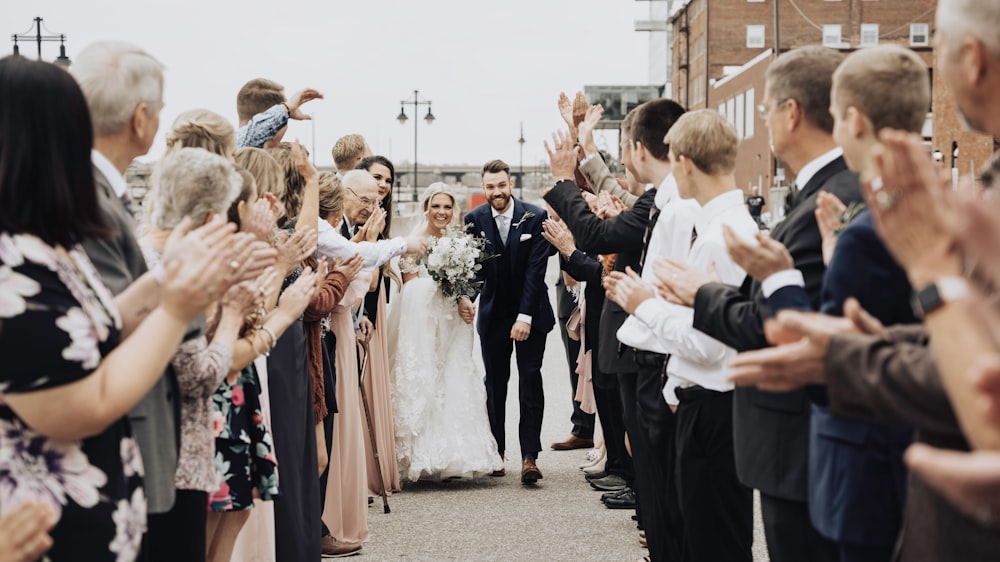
point(529, 472)
point(572, 443)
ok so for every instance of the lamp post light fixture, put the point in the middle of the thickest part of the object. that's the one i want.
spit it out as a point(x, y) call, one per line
point(429, 118)
point(520, 175)
point(62, 60)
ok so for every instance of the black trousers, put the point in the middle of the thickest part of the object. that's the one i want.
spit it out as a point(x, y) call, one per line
point(583, 423)
point(717, 509)
point(654, 456)
point(178, 534)
point(790, 535)
point(330, 388)
point(609, 408)
point(497, 349)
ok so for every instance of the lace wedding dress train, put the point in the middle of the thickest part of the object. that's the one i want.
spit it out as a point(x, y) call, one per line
point(438, 395)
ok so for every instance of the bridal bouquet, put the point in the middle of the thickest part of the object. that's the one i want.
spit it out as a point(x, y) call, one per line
point(453, 260)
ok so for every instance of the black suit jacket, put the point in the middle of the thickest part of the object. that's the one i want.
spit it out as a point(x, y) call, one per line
point(154, 419)
point(526, 261)
point(620, 235)
point(771, 430)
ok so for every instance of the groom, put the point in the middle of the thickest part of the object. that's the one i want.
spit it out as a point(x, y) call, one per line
point(514, 309)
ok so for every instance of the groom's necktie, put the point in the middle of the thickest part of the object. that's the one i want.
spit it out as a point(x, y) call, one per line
point(503, 227)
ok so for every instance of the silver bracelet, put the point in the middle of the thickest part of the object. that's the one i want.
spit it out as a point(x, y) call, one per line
point(274, 340)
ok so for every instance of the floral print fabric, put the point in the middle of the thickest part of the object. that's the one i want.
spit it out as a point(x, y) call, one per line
point(244, 452)
point(57, 321)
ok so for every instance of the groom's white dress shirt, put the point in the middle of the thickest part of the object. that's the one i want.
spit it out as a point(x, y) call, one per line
point(503, 221)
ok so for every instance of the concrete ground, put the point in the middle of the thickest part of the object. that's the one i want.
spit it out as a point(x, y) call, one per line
point(560, 518)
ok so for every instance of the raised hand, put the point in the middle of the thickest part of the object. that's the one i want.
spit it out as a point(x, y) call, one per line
point(559, 236)
point(375, 224)
point(566, 111)
point(295, 102)
point(295, 248)
point(349, 268)
point(586, 129)
point(263, 217)
point(829, 210)
point(262, 257)
point(562, 157)
point(580, 106)
point(242, 298)
point(760, 260)
point(300, 157)
point(297, 296)
point(194, 281)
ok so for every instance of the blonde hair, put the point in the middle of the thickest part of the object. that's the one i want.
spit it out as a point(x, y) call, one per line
point(201, 128)
point(291, 198)
point(889, 84)
point(438, 188)
point(347, 149)
point(706, 139)
point(331, 194)
point(266, 171)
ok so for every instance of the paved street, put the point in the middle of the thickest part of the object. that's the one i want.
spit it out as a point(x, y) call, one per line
point(561, 518)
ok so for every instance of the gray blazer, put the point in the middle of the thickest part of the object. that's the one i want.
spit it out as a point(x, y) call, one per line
point(894, 379)
point(155, 418)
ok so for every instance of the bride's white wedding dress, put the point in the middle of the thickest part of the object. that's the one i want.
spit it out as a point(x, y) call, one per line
point(438, 395)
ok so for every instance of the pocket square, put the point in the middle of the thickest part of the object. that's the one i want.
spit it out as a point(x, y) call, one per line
point(525, 237)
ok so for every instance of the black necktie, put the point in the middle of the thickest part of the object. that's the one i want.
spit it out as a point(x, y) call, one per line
point(694, 236)
point(654, 214)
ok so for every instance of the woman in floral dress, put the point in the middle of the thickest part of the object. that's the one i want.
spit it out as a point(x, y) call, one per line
point(69, 377)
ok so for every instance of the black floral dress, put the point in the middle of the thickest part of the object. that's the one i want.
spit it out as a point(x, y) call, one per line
point(57, 322)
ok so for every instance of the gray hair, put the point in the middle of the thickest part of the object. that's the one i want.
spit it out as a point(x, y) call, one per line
point(115, 78)
point(192, 182)
point(958, 19)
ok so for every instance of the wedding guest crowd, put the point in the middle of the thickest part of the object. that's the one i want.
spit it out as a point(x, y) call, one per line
point(243, 362)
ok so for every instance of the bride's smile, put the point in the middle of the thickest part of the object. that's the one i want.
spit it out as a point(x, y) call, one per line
point(440, 211)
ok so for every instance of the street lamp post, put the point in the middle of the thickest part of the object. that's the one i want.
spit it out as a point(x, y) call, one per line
point(62, 60)
point(520, 176)
point(402, 121)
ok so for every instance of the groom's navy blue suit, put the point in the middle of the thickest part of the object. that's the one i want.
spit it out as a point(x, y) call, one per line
point(513, 284)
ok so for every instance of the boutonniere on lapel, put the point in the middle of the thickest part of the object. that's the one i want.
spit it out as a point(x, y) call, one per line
point(849, 214)
point(527, 215)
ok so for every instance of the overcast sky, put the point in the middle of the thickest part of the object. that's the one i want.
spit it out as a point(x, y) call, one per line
point(486, 66)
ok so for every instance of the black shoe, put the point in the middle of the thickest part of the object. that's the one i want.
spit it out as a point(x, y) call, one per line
point(609, 483)
point(596, 475)
point(625, 501)
point(615, 494)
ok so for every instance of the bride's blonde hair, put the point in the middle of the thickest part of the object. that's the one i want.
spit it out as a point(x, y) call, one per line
point(438, 188)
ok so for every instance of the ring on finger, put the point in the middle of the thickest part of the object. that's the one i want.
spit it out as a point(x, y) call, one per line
point(235, 265)
point(885, 200)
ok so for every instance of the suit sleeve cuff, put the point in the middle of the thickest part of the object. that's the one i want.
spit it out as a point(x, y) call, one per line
point(788, 277)
point(524, 318)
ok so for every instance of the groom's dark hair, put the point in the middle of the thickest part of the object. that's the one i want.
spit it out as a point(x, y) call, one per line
point(495, 166)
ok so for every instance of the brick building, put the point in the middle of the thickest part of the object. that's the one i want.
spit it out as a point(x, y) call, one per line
point(722, 48)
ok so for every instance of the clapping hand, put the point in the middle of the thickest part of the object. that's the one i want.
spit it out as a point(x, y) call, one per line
point(349, 268)
point(609, 206)
point(587, 126)
point(562, 156)
point(829, 210)
point(627, 289)
point(374, 225)
point(24, 532)
point(559, 236)
point(295, 248)
point(295, 102)
point(679, 283)
point(262, 257)
point(299, 294)
point(573, 113)
point(263, 216)
point(760, 260)
point(198, 268)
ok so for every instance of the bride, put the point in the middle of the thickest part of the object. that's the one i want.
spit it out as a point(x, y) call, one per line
point(438, 396)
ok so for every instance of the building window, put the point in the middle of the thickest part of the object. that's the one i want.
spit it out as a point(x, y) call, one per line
point(869, 34)
point(731, 112)
point(750, 113)
point(755, 1)
point(722, 109)
point(831, 36)
point(919, 34)
point(739, 117)
point(755, 37)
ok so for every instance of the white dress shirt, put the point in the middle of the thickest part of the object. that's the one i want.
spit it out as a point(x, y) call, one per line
point(333, 245)
point(114, 177)
point(793, 277)
point(508, 216)
point(670, 238)
point(696, 358)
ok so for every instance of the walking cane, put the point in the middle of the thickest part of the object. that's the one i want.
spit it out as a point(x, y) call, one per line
point(371, 428)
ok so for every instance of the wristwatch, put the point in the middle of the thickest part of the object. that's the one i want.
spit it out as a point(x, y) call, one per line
point(939, 293)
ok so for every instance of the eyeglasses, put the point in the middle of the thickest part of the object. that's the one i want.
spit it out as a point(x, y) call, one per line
point(366, 201)
point(764, 112)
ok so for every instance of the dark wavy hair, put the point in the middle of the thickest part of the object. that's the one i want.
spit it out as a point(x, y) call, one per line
point(366, 164)
point(46, 177)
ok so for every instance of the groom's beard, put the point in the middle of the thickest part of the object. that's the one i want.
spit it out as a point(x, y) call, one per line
point(500, 202)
